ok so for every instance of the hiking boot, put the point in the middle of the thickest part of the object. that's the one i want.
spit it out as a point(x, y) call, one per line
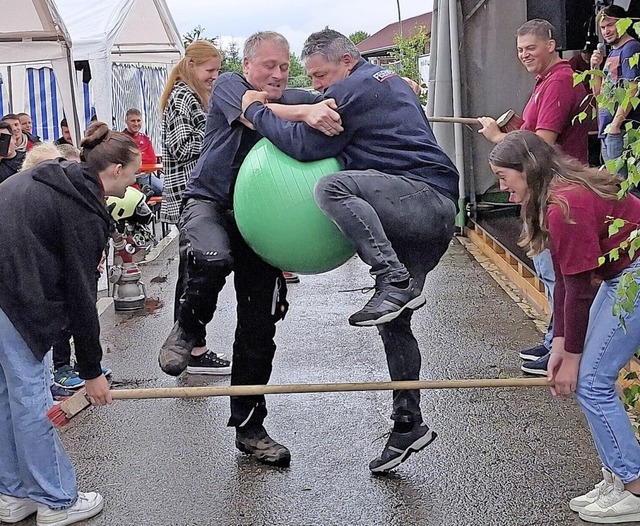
point(533, 353)
point(400, 446)
point(88, 505)
point(601, 488)
point(175, 351)
point(290, 277)
point(13, 509)
point(387, 303)
point(538, 367)
point(615, 506)
point(67, 378)
point(208, 363)
point(255, 441)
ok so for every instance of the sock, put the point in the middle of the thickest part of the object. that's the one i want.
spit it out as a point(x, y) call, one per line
point(402, 427)
point(401, 284)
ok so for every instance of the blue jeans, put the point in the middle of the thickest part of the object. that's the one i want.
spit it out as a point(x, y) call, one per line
point(153, 181)
point(608, 347)
point(544, 269)
point(612, 148)
point(400, 228)
point(34, 463)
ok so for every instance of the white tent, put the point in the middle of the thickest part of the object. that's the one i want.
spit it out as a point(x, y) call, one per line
point(123, 31)
point(33, 31)
point(102, 32)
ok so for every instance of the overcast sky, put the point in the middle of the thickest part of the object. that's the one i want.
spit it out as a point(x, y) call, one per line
point(295, 19)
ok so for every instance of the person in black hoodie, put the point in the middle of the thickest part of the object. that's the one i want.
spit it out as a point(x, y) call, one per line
point(395, 200)
point(54, 228)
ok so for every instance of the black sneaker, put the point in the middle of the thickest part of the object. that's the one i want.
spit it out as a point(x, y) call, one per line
point(533, 353)
point(175, 351)
point(208, 363)
point(538, 366)
point(387, 303)
point(255, 441)
point(400, 446)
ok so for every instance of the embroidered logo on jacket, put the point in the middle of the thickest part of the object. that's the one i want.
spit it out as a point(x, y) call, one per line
point(383, 75)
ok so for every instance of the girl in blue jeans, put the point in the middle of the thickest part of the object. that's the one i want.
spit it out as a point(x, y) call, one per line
point(567, 208)
point(55, 226)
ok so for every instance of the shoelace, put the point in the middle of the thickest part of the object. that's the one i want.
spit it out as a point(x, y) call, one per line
point(364, 290)
point(609, 495)
point(384, 435)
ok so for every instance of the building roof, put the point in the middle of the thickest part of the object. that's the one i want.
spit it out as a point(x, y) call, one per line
point(383, 39)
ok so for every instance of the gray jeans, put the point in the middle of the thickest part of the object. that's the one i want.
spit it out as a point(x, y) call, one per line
point(399, 227)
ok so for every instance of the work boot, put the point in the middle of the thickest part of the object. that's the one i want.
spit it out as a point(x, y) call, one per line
point(387, 303)
point(255, 441)
point(400, 446)
point(175, 351)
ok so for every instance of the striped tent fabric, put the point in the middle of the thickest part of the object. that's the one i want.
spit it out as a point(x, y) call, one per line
point(137, 86)
point(45, 104)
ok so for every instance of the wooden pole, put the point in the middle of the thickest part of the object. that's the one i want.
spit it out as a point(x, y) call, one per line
point(252, 390)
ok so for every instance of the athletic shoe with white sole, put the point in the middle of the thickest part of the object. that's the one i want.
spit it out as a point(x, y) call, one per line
point(400, 446)
point(387, 303)
point(88, 505)
point(208, 363)
point(601, 488)
point(616, 506)
point(533, 353)
point(13, 509)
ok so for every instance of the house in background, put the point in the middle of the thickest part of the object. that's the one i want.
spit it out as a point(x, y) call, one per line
point(378, 48)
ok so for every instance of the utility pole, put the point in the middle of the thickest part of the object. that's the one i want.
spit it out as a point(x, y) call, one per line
point(399, 17)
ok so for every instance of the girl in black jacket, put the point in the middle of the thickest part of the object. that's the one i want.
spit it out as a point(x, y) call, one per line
point(54, 229)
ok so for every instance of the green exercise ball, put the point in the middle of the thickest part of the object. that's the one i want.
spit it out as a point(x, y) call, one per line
point(278, 217)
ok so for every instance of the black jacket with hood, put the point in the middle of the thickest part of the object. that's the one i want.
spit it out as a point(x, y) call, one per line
point(54, 227)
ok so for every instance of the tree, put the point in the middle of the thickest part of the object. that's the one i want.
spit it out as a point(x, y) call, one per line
point(358, 36)
point(196, 34)
point(295, 66)
point(408, 50)
point(231, 60)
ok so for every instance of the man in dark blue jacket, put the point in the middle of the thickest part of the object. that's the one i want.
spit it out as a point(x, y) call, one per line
point(395, 201)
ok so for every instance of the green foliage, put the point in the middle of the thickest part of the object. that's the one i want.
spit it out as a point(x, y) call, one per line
point(231, 59)
point(296, 69)
point(196, 34)
point(407, 52)
point(358, 36)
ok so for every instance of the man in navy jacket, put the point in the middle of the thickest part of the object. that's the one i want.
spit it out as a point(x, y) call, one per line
point(395, 201)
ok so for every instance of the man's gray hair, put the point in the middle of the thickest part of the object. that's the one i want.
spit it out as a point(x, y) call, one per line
point(538, 27)
point(330, 44)
point(252, 43)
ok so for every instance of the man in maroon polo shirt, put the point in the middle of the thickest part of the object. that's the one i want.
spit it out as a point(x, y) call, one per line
point(551, 113)
point(555, 101)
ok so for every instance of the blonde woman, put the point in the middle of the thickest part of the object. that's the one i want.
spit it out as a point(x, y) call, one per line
point(184, 105)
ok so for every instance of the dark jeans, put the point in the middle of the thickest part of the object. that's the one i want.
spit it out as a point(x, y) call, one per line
point(210, 248)
point(62, 350)
point(399, 227)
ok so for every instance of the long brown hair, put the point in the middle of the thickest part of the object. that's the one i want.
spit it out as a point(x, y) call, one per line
point(546, 171)
point(198, 52)
point(102, 147)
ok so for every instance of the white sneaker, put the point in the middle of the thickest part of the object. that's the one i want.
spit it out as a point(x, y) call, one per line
point(601, 488)
point(13, 509)
point(617, 505)
point(88, 505)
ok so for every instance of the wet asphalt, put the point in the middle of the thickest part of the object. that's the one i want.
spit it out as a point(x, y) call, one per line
point(502, 457)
